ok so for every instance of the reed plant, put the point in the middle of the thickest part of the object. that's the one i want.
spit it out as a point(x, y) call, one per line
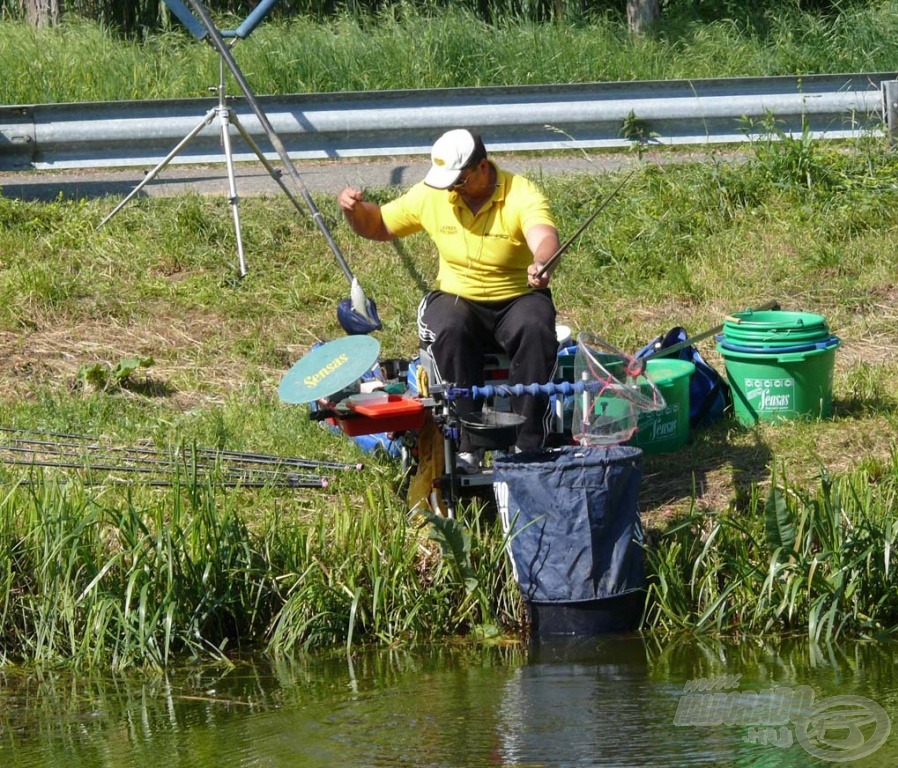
point(102, 580)
point(120, 578)
point(818, 562)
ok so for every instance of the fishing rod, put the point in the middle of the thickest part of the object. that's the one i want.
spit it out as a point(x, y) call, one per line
point(166, 483)
point(54, 450)
point(259, 458)
point(691, 340)
point(138, 465)
point(147, 455)
point(64, 438)
point(233, 479)
point(557, 255)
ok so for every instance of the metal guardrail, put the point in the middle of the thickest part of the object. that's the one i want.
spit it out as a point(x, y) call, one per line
point(384, 123)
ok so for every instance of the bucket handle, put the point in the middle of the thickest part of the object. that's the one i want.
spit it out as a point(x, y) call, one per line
point(832, 341)
point(736, 320)
point(797, 357)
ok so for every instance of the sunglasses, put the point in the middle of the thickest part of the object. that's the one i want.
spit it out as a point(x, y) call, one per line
point(460, 184)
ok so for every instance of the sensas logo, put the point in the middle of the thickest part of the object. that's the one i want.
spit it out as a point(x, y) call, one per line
point(665, 425)
point(770, 394)
point(774, 400)
point(313, 379)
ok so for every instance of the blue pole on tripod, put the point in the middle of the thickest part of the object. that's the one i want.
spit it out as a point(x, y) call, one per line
point(251, 21)
point(193, 25)
point(362, 318)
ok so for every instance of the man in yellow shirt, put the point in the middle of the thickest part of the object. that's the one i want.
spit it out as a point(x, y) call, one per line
point(493, 232)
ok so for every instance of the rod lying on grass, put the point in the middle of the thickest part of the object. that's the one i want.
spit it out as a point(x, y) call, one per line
point(230, 468)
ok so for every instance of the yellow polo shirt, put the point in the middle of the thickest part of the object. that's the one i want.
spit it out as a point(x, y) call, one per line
point(483, 256)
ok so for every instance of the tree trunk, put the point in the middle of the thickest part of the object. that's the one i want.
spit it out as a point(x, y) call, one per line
point(40, 13)
point(642, 15)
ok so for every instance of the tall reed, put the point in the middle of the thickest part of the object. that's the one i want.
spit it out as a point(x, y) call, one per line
point(371, 574)
point(123, 578)
point(101, 578)
point(408, 45)
point(821, 563)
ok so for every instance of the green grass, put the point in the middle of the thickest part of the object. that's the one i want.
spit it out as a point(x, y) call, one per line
point(105, 575)
point(122, 577)
point(407, 48)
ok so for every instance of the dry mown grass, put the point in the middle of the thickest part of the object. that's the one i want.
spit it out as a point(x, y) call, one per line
point(53, 354)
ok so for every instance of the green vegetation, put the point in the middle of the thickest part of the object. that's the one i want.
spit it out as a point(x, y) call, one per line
point(409, 47)
point(106, 573)
point(118, 577)
point(136, 18)
point(818, 562)
point(143, 332)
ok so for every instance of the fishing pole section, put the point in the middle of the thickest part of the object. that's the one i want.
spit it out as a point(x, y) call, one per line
point(102, 462)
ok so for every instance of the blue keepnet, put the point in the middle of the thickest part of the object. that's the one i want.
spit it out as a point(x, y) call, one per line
point(573, 519)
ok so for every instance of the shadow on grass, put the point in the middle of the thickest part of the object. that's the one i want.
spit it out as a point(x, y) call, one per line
point(863, 407)
point(149, 387)
point(409, 266)
point(711, 467)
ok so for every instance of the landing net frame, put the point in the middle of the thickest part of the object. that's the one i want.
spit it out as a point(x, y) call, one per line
point(616, 392)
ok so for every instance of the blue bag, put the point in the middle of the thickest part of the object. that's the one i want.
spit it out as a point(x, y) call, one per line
point(709, 393)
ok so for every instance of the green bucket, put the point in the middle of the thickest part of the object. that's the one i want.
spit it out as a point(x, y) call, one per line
point(775, 328)
point(775, 320)
point(780, 387)
point(668, 429)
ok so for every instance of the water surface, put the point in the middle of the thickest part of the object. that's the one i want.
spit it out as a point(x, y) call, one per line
point(602, 702)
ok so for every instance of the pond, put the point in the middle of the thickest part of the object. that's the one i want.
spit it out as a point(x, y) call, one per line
point(612, 701)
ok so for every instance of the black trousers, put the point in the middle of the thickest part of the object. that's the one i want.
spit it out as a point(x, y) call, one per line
point(459, 332)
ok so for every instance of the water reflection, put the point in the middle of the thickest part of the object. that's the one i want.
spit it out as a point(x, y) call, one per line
point(601, 702)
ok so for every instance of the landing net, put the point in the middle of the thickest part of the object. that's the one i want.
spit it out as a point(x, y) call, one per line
point(616, 392)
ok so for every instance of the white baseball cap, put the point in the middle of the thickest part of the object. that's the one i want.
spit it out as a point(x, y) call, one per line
point(450, 154)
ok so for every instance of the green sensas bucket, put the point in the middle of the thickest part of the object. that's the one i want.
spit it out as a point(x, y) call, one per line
point(774, 387)
point(668, 429)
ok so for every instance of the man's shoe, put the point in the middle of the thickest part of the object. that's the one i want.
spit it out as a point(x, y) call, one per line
point(469, 463)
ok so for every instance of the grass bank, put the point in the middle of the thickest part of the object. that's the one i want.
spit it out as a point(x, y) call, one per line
point(813, 561)
point(119, 572)
point(409, 48)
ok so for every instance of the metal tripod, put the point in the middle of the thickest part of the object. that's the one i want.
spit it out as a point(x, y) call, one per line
point(226, 118)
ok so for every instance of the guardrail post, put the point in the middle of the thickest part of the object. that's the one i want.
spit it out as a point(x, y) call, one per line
point(890, 109)
point(17, 140)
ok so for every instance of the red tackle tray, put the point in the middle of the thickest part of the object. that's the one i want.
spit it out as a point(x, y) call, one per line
point(391, 413)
